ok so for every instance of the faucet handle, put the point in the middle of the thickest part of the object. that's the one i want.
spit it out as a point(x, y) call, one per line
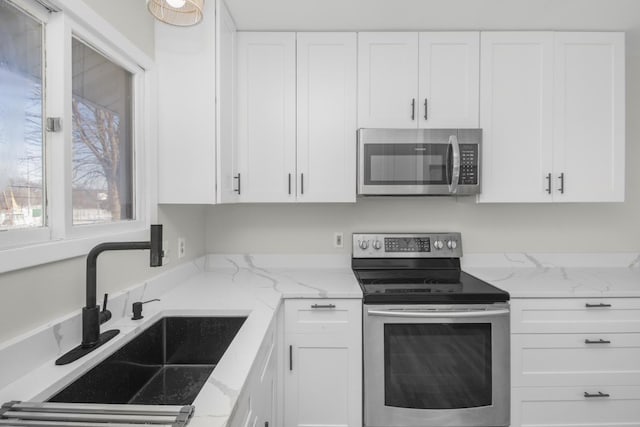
point(137, 309)
point(105, 314)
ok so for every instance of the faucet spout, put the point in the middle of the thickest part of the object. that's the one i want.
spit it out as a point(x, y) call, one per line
point(92, 318)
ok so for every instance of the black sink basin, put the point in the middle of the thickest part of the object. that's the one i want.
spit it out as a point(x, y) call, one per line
point(167, 364)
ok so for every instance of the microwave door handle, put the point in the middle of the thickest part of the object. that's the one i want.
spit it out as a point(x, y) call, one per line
point(439, 314)
point(455, 175)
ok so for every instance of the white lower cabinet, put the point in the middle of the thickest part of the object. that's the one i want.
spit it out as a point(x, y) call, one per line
point(323, 363)
point(256, 405)
point(308, 371)
point(575, 362)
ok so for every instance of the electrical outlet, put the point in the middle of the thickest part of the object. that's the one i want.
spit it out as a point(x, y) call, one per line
point(165, 252)
point(338, 239)
point(182, 247)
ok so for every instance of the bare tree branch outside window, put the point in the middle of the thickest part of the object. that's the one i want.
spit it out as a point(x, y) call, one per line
point(102, 153)
point(21, 130)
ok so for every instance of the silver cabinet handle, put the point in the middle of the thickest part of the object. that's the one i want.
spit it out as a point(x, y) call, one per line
point(413, 109)
point(455, 174)
point(289, 183)
point(601, 305)
point(548, 190)
point(425, 109)
point(561, 189)
point(600, 341)
point(301, 183)
point(599, 394)
point(439, 314)
point(323, 306)
point(237, 190)
point(291, 358)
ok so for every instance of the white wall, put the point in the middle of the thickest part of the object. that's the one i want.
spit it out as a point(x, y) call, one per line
point(131, 18)
point(485, 228)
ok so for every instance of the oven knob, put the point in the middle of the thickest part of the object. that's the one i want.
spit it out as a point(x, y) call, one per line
point(438, 244)
point(376, 244)
point(452, 244)
point(364, 244)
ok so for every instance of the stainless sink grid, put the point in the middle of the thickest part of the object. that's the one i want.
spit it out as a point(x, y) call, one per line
point(37, 414)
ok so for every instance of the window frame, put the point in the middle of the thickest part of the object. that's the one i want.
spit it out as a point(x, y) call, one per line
point(59, 239)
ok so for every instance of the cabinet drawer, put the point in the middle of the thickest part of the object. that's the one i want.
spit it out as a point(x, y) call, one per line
point(575, 359)
point(321, 315)
point(559, 407)
point(575, 315)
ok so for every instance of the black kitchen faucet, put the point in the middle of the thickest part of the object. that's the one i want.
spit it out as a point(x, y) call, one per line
point(92, 317)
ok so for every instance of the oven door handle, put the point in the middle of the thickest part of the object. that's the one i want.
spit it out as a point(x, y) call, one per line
point(443, 313)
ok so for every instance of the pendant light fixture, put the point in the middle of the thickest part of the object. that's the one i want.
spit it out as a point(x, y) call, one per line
point(182, 13)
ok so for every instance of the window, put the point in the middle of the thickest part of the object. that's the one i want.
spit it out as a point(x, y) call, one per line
point(64, 190)
point(102, 178)
point(21, 131)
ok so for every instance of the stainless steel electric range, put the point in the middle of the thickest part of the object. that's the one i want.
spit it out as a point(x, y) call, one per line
point(436, 339)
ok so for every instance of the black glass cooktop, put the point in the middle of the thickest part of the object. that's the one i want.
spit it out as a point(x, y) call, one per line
point(420, 282)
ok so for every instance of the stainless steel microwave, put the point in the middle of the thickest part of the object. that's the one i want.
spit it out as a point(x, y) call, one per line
point(413, 162)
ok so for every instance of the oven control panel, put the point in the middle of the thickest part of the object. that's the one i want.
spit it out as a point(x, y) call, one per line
point(396, 245)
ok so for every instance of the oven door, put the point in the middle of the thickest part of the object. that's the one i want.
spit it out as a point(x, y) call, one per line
point(436, 365)
point(408, 163)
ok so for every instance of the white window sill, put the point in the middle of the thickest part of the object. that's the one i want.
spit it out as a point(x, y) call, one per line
point(43, 253)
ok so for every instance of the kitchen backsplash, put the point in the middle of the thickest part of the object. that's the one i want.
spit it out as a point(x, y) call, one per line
point(485, 228)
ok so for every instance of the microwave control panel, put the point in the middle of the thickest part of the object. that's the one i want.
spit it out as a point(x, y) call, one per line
point(468, 164)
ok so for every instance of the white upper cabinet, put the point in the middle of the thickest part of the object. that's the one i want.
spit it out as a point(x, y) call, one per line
point(225, 111)
point(387, 80)
point(410, 80)
point(449, 80)
point(266, 119)
point(296, 117)
point(589, 128)
point(552, 113)
point(185, 60)
point(326, 120)
point(516, 116)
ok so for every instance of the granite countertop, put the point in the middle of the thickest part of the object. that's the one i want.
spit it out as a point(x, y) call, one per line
point(559, 275)
point(221, 285)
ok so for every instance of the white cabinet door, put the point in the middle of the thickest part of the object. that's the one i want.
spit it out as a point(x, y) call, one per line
point(449, 79)
point(185, 60)
point(266, 115)
point(516, 109)
point(226, 104)
point(265, 388)
point(326, 120)
point(589, 125)
point(318, 383)
point(387, 80)
point(323, 370)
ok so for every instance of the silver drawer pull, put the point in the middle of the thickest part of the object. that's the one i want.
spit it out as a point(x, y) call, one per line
point(599, 394)
point(601, 305)
point(600, 341)
point(323, 306)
